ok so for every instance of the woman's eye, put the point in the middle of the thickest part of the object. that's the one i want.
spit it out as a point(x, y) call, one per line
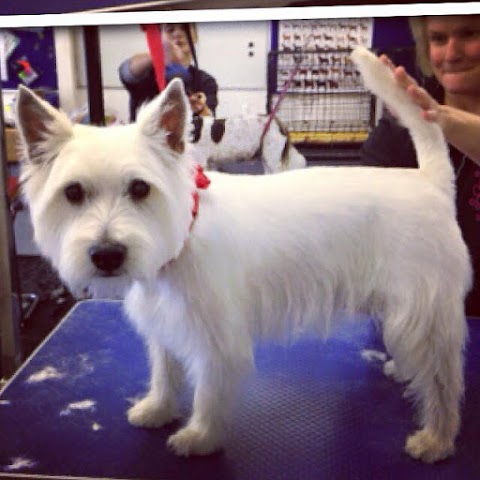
point(138, 189)
point(74, 193)
point(437, 38)
point(467, 34)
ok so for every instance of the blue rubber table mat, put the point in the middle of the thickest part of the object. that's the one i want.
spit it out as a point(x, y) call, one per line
point(313, 410)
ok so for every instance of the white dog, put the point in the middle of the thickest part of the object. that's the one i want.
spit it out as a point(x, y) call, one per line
point(217, 142)
point(266, 256)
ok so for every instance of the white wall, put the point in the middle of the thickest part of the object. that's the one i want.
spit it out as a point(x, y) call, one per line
point(71, 75)
point(235, 53)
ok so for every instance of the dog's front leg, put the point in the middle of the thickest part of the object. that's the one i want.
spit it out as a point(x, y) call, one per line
point(215, 389)
point(159, 406)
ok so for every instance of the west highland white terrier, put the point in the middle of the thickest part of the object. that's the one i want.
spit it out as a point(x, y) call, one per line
point(264, 256)
point(217, 142)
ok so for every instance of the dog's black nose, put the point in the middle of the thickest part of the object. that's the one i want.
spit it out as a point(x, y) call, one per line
point(108, 256)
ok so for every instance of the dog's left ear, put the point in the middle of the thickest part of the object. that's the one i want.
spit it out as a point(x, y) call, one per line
point(43, 129)
point(168, 114)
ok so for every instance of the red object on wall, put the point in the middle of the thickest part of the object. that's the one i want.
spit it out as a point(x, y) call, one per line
point(154, 41)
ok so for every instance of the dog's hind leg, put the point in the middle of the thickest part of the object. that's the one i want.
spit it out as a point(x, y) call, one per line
point(159, 406)
point(430, 355)
point(275, 149)
point(278, 152)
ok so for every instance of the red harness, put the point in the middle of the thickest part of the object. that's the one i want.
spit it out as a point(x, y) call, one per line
point(201, 182)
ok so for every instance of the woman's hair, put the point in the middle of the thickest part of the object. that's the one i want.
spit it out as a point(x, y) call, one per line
point(189, 28)
point(419, 33)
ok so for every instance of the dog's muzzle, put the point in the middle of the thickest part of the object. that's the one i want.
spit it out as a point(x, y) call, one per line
point(108, 256)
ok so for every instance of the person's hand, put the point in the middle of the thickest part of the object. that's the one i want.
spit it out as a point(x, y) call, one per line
point(198, 102)
point(431, 109)
point(461, 128)
point(172, 52)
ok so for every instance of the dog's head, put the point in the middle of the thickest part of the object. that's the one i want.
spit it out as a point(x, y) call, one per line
point(111, 201)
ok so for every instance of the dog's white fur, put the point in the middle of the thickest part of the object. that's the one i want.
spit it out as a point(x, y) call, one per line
point(245, 138)
point(267, 256)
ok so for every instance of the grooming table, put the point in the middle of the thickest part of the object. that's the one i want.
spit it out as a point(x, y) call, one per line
point(313, 410)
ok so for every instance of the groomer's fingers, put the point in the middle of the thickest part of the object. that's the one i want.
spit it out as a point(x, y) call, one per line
point(419, 95)
point(403, 78)
point(386, 60)
point(172, 52)
point(432, 116)
point(400, 74)
point(422, 98)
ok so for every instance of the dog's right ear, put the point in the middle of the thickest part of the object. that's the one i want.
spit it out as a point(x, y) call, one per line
point(168, 116)
point(43, 129)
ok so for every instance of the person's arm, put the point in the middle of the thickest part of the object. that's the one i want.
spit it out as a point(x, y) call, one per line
point(134, 71)
point(137, 75)
point(138, 67)
point(140, 88)
point(139, 64)
point(461, 128)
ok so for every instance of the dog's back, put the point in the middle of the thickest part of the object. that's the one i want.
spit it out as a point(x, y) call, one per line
point(354, 232)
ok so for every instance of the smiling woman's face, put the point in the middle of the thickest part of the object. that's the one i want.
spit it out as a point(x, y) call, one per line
point(454, 52)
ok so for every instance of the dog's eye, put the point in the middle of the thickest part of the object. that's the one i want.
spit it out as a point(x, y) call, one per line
point(138, 189)
point(74, 193)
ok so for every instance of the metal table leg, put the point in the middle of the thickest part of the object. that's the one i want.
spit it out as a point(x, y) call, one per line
point(9, 311)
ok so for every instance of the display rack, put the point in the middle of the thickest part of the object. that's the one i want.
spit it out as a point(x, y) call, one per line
point(313, 85)
point(322, 96)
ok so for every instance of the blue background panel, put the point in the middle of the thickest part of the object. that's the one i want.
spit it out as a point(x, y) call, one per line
point(37, 45)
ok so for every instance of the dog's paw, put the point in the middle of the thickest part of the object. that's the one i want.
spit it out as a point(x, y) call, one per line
point(148, 413)
point(426, 446)
point(390, 370)
point(189, 441)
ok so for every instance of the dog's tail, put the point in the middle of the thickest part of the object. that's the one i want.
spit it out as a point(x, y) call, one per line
point(432, 151)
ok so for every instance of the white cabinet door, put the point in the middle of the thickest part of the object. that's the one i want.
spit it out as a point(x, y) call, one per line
point(235, 53)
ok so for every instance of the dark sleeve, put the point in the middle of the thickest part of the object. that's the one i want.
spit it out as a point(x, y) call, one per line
point(388, 145)
point(203, 82)
point(140, 89)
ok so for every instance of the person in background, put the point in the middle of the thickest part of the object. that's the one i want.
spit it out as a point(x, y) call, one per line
point(448, 54)
point(138, 76)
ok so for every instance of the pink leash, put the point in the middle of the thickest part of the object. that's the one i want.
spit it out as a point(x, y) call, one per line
point(280, 98)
